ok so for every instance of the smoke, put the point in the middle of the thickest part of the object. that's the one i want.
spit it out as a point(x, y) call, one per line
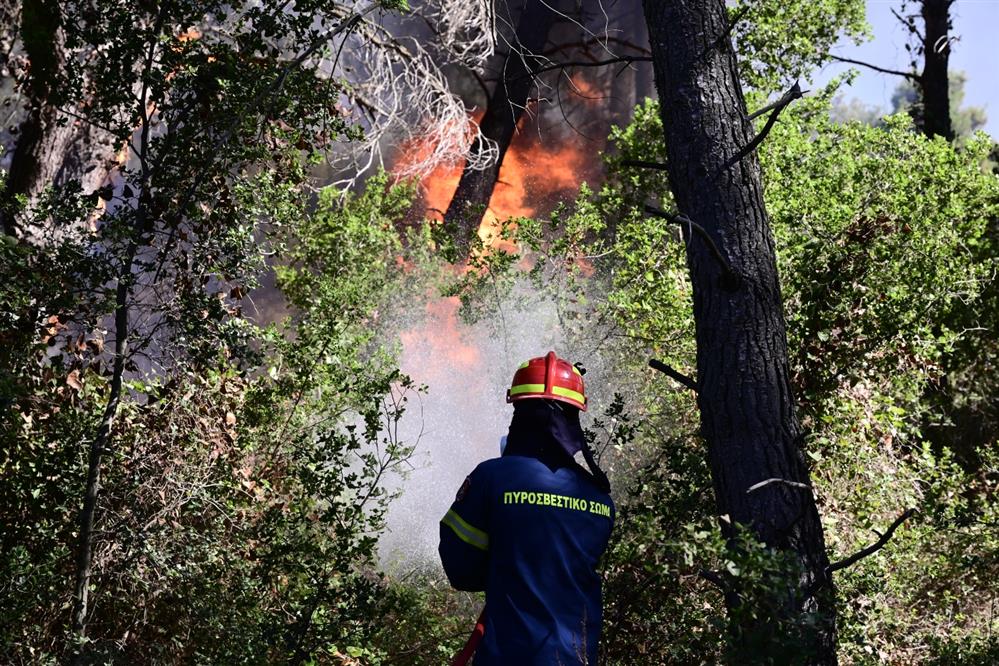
point(461, 417)
point(467, 368)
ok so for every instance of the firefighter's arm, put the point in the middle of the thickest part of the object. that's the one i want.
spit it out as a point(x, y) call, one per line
point(464, 546)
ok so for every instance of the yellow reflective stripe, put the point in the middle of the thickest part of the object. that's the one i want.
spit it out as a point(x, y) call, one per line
point(569, 393)
point(524, 365)
point(470, 535)
point(527, 388)
point(576, 370)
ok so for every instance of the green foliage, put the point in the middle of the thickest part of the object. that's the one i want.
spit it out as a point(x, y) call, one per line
point(965, 120)
point(245, 486)
point(430, 621)
point(778, 41)
point(242, 503)
point(885, 242)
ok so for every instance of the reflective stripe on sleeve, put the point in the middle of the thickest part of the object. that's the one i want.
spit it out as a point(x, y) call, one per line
point(470, 535)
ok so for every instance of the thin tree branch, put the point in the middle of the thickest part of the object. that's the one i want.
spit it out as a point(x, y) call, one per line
point(713, 578)
point(856, 557)
point(794, 93)
point(739, 15)
point(873, 548)
point(584, 46)
point(909, 75)
point(909, 23)
point(732, 279)
point(762, 484)
point(577, 63)
point(679, 377)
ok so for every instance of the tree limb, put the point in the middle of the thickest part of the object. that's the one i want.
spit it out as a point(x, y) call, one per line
point(584, 46)
point(731, 23)
point(673, 374)
point(713, 578)
point(859, 555)
point(873, 548)
point(732, 279)
point(578, 63)
point(794, 93)
point(909, 75)
point(793, 484)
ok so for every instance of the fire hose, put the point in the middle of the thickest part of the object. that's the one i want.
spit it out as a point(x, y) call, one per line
point(465, 654)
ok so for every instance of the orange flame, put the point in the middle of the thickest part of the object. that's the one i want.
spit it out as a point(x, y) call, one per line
point(532, 174)
point(440, 337)
point(535, 173)
point(581, 88)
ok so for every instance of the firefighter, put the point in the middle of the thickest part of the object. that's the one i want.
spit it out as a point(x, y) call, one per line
point(529, 527)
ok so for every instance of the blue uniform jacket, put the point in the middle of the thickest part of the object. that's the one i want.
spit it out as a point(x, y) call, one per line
point(531, 538)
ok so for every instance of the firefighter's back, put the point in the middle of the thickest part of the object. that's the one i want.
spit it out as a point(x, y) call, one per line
point(547, 531)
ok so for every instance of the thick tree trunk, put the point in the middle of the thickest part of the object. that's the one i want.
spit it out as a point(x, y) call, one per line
point(52, 147)
point(42, 140)
point(747, 409)
point(504, 109)
point(933, 81)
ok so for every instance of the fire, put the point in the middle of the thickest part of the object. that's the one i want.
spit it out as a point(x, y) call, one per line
point(535, 173)
point(532, 174)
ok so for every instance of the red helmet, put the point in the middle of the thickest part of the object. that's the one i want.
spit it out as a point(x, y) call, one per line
point(548, 377)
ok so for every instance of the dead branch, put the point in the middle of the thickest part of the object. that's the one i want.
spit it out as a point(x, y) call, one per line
point(873, 548)
point(739, 15)
point(679, 377)
point(584, 46)
point(909, 75)
point(595, 63)
point(794, 93)
point(793, 484)
point(713, 578)
point(859, 555)
point(732, 279)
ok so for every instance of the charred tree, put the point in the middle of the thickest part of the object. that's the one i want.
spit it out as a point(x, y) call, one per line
point(504, 108)
point(748, 415)
point(933, 82)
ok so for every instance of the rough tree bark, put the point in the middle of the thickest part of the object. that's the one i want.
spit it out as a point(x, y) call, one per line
point(748, 416)
point(504, 109)
point(933, 82)
point(51, 147)
point(42, 141)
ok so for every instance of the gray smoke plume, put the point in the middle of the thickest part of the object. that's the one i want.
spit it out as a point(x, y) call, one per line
point(460, 420)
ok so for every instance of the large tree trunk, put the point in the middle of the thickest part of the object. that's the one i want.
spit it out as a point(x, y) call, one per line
point(52, 148)
point(933, 82)
point(504, 108)
point(42, 141)
point(747, 409)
